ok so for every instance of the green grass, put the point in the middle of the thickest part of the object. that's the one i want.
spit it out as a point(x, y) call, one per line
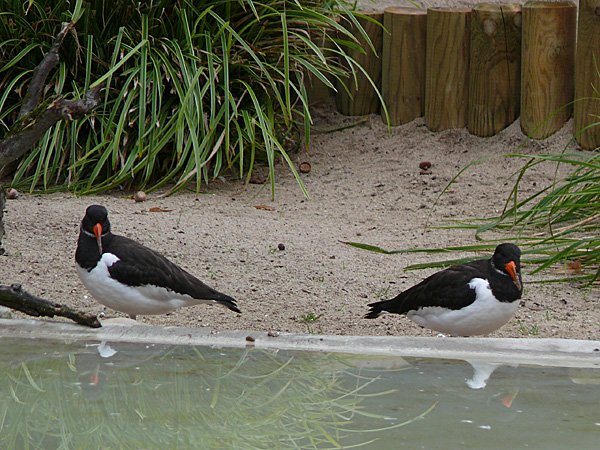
point(532, 330)
point(554, 226)
point(194, 89)
point(310, 319)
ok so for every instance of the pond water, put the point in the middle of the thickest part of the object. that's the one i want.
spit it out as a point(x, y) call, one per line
point(115, 395)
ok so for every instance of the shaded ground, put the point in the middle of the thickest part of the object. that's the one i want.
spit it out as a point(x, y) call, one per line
point(365, 186)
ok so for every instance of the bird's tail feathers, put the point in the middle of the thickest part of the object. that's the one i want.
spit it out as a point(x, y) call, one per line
point(376, 309)
point(229, 303)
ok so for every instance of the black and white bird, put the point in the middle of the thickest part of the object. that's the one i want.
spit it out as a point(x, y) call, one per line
point(129, 277)
point(466, 300)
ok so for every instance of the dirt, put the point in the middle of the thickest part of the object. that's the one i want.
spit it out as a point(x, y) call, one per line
point(284, 260)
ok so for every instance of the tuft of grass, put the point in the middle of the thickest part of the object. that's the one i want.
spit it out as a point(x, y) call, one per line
point(310, 319)
point(554, 226)
point(532, 330)
point(383, 292)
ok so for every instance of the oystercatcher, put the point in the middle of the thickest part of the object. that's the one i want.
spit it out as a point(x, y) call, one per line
point(465, 300)
point(129, 277)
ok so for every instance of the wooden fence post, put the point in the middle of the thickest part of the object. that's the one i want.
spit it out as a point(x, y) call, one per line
point(587, 76)
point(403, 63)
point(495, 68)
point(447, 68)
point(548, 62)
point(364, 100)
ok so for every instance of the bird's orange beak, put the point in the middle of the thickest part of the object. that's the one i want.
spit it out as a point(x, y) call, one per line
point(511, 268)
point(98, 233)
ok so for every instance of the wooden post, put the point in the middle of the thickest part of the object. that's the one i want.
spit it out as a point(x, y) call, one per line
point(447, 68)
point(364, 99)
point(587, 76)
point(316, 90)
point(495, 68)
point(403, 63)
point(2, 203)
point(548, 61)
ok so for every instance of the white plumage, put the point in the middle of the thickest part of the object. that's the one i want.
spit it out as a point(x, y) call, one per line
point(131, 300)
point(483, 316)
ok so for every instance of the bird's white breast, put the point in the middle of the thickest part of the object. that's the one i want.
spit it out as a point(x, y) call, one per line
point(484, 315)
point(146, 299)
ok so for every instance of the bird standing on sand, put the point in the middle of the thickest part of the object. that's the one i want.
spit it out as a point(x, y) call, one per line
point(465, 300)
point(129, 277)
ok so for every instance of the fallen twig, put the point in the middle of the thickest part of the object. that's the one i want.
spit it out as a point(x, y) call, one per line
point(15, 297)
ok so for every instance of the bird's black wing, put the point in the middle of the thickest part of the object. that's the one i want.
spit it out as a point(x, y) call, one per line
point(448, 288)
point(139, 266)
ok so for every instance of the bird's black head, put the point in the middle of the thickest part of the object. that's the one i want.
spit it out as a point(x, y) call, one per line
point(95, 223)
point(507, 260)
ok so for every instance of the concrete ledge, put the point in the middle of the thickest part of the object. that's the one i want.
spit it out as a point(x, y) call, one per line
point(547, 352)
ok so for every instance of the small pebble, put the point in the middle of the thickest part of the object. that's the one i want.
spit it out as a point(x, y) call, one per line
point(305, 167)
point(255, 179)
point(281, 247)
point(12, 194)
point(5, 313)
point(140, 196)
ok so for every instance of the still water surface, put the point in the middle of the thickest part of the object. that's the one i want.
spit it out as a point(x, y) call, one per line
point(59, 395)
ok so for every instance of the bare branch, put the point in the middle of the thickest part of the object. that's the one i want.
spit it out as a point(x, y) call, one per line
point(16, 298)
point(31, 129)
point(34, 91)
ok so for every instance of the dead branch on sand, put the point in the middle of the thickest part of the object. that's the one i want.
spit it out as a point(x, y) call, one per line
point(16, 298)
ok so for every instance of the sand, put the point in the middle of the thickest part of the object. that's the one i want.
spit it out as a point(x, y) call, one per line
point(365, 186)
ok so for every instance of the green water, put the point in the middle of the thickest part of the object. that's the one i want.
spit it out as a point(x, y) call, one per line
point(58, 395)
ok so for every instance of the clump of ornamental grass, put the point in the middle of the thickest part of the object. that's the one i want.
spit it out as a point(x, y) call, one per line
point(558, 226)
point(193, 89)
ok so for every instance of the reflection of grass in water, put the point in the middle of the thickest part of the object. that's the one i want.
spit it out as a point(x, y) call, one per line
point(185, 398)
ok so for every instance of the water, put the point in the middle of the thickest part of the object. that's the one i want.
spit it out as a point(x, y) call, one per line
point(59, 395)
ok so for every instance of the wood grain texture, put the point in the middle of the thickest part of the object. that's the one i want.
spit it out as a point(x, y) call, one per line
point(495, 68)
point(363, 99)
point(403, 63)
point(2, 203)
point(447, 68)
point(547, 67)
point(587, 76)
point(317, 91)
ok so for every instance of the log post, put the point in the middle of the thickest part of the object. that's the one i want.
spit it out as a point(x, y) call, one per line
point(495, 68)
point(587, 76)
point(2, 203)
point(317, 91)
point(363, 99)
point(548, 62)
point(447, 68)
point(403, 63)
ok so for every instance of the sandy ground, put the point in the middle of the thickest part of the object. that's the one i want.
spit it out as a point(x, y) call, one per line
point(365, 186)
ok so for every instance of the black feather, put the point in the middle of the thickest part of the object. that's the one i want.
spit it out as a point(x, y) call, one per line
point(450, 288)
point(138, 265)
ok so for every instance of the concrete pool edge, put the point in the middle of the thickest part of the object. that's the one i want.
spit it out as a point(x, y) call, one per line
point(542, 351)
